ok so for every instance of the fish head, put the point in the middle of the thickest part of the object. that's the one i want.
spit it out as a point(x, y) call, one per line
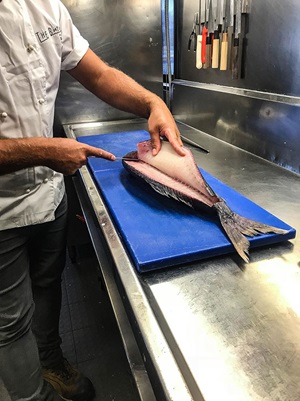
point(144, 148)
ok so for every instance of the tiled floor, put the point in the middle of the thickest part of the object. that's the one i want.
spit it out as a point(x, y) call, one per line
point(91, 339)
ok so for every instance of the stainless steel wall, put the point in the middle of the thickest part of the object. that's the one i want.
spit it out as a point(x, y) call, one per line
point(272, 53)
point(124, 33)
point(261, 112)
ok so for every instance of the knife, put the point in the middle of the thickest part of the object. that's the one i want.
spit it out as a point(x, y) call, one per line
point(203, 19)
point(224, 44)
point(199, 42)
point(236, 64)
point(230, 32)
point(220, 20)
point(216, 40)
point(210, 34)
point(193, 35)
point(246, 5)
point(131, 159)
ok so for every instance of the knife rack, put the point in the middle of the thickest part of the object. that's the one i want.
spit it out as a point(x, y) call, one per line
point(226, 24)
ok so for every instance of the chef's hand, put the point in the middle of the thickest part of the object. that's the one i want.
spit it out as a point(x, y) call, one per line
point(162, 124)
point(68, 155)
point(60, 154)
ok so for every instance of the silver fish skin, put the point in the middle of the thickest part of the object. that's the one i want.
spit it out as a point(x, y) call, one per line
point(179, 177)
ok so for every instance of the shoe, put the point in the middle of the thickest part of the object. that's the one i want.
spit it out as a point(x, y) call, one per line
point(69, 383)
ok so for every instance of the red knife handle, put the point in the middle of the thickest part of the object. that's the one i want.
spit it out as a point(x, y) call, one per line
point(203, 49)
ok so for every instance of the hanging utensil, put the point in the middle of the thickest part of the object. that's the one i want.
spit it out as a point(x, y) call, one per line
point(216, 39)
point(199, 41)
point(193, 35)
point(218, 33)
point(210, 34)
point(224, 44)
point(236, 61)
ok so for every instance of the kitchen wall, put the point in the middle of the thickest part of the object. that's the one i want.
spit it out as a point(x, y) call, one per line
point(125, 34)
point(260, 111)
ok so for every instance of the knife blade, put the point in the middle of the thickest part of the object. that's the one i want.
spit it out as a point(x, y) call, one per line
point(236, 41)
point(195, 144)
point(193, 35)
point(132, 159)
point(246, 6)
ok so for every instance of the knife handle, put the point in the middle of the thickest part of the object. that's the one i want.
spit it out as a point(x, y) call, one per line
point(208, 52)
point(229, 54)
point(198, 52)
point(235, 59)
point(203, 49)
point(215, 50)
point(224, 52)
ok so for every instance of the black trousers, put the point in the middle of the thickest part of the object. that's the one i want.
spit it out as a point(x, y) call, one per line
point(31, 264)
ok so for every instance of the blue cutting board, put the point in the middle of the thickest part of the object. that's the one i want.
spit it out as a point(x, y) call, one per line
point(160, 232)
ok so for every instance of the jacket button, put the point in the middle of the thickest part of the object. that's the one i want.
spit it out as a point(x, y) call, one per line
point(27, 190)
point(3, 115)
point(45, 180)
point(41, 101)
point(30, 48)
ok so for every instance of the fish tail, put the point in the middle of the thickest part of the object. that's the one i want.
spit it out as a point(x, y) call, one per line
point(236, 227)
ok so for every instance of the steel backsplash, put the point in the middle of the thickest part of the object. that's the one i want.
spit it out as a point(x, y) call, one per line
point(125, 34)
point(260, 112)
point(262, 126)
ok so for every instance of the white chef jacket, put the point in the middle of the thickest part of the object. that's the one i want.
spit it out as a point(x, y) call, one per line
point(37, 40)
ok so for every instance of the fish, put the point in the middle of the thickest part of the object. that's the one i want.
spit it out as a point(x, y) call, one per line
point(179, 177)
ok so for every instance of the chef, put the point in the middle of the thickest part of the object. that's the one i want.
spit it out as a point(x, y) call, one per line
point(37, 41)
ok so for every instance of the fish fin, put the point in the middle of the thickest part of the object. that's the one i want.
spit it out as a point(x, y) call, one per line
point(161, 189)
point(166, 191)
point(236, 227)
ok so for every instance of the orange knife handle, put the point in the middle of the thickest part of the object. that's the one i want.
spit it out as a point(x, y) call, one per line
point(203, 49)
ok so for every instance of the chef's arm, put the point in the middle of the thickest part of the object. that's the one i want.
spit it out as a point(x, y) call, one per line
point(60, 154)
point(120, 91)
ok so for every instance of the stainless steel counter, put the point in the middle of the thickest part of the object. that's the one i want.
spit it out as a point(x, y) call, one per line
point(217, 329)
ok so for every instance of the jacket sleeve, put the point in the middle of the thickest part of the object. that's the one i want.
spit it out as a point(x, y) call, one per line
point(74, 46)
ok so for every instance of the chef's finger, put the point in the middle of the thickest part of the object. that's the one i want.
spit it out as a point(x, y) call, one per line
point(97, 152)
point(175, 141)
point(156, 144)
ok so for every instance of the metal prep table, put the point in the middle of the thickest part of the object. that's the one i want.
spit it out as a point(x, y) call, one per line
point(217, 329)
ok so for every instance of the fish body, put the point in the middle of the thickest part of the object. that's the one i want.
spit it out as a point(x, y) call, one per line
point(179, 177)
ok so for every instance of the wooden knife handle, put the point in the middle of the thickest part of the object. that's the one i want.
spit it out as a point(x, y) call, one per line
point(215, 50)
point(235, 59)
point(207, 52)
point(224, 52)
point(199, 52)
